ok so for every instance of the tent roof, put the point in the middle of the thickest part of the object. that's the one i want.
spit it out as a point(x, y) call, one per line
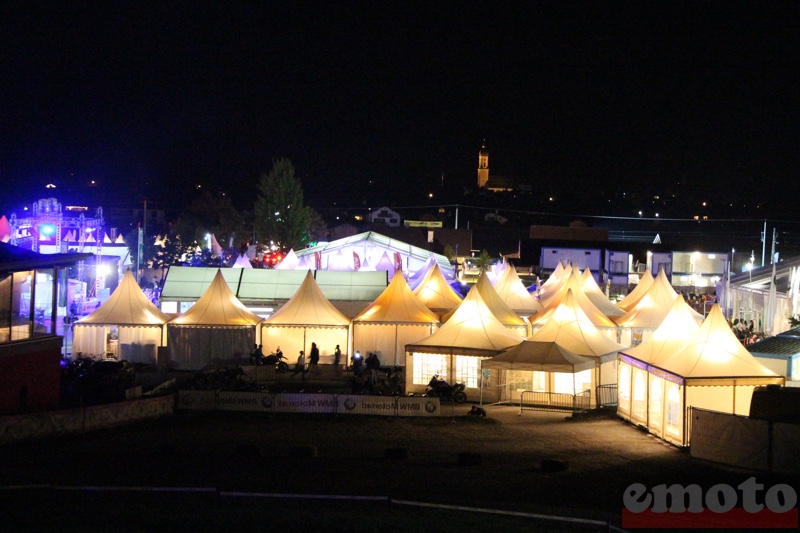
point(416, 277)
point(540, 356)
point(383, 241)
point(242, 262)
point(471, 330)
point(574, 284)
point(435, 292)
point(217, 307)
point(308, 307)
point(499, 309)
point(714, 352)
point(127, 306)
point(638, 292)
point(573, 331)
point(554, 282)
point(653, 307)
point(289, 262)
point(674, 332)
point(397, 304)
point(596, 296)
point(511, 290)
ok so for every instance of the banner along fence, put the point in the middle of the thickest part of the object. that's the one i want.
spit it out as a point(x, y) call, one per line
point(344, 404)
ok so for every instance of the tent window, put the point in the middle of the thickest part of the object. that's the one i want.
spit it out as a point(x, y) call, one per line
point(673, 411)
point(638, 395)
point(656, 402)
point(426, 365)
point(624, 383)
point(468, 370)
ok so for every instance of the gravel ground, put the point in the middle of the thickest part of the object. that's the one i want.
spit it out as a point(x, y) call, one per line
point(493, 462)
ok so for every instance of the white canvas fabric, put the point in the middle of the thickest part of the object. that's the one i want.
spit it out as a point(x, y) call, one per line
point(289, 262)
point(573, 284)
point(218, 306)
point(597, 297)
point(511, 290)
point(492, 300)
point(436, 293)
point(242, 262)
point(308, 307)
point(674, 332)
point(397, 305)
point(638, 292)
point(127, 306)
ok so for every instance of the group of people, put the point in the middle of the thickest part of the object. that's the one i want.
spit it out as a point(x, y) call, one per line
point(371, 364)
point(745, 331)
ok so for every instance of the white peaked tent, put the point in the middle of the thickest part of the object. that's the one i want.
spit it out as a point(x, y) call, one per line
point(496, 272)
point(394, 319)
point(497, 306)
point(555, 281)
point(566, 338)
point(216, 249)
point(574, 283)
point(128, 315)
point(647, 314)
point(435, 292)
point(511, 290)
point(339, 261)
point(597, 297)
point(307, 317)
point(638, 292)
point(455, 350)
point(415, 278)
point(217, 326)
point(290, 261)
point(713, 370)
point(384, 263)
point(242, 262)
point(366, 266)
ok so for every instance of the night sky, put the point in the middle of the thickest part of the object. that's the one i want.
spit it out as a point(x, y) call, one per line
point(374, 102)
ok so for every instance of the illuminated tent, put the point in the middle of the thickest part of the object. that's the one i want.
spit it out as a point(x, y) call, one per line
point(568, 338)
point(242, 262)
point(511, 290)
point(713, 370)
point(435, 292)
point(216, 249)
point(638, 292)
point(498, 307)
point(307, 317)
point(5, 229)
point(648, 313)
point(457, 347)
point(217, 326)
point(289, 262)
point(574, 283)
point(597, 297)
point(384, 263)
point(554, 282)
point(394, 319)
point(127, 325)
point(415, 278)
point(340, 261)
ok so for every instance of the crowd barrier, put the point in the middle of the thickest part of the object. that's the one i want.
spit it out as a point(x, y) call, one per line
point(344, 404)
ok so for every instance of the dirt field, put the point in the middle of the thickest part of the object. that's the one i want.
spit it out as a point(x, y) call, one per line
point(492, 463)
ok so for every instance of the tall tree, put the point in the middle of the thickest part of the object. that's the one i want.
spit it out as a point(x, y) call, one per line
point(280, 216)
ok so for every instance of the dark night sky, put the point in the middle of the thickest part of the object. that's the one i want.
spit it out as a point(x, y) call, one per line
point(150, 98)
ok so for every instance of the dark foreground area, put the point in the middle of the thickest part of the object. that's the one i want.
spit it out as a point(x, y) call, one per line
point(220, 471)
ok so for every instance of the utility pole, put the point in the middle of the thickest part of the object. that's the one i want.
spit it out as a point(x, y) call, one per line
point(456, 216)
point(764, 244)
point(774, 242)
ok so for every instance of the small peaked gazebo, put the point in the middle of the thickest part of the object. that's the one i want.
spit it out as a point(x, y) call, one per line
point(394, 319)
point(217, 327)
point(647, 314)
point(307, 317)
point(499, 309)
point(638, 292)
point(242, 262)
point(127, 325)
point(713, 370)
point(571, 332)
point(511, 290)
point(574, 284)
point(436, 293)
point(416, 277)
point(553, 283)
point(454, 351)
point(289, 262)
point(593, 292)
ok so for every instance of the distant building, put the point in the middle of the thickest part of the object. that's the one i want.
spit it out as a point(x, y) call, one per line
point(496, 183)
point(386, 216)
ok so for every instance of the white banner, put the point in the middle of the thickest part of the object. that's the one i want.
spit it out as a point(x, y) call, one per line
point(305, 403)
point(388, 405)
point(205, 400)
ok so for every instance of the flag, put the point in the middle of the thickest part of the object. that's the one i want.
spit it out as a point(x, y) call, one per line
point(356, 261)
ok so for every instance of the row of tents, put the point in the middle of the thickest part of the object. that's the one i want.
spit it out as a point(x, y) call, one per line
point(568, 337)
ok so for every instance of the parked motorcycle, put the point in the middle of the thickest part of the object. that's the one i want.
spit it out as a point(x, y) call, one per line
point(439, 388)
point(277, 360)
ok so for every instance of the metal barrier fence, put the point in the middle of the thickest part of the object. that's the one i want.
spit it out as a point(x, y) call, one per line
point(554, 401)
point(606, 395)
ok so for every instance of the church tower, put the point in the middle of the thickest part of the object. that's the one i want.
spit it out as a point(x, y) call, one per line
point(483, 166)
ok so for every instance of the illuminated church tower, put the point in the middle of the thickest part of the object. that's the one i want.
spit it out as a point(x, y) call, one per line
point(483, 166)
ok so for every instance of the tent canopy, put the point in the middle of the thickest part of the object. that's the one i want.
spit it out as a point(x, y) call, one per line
point(127, 306)
point(308, 307)
point(499, 309)
point(398, 305)
point(542, 357)
point(638, 292)
point(674, 332)
point(511, 290)
point(435, 292)
point(217, 307)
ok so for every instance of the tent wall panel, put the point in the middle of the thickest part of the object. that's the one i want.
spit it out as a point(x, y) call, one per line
point(713, 434)
point(717, 398)
point(674, 414)
point(785, 443)
point(139, 344)
point(744, 395)
point(624, 387)
point(639, 394)
point(656, 409)
point(608, 373)
point(89, 341)
point(195, 347)
point(292, 339)
point(389, 340)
